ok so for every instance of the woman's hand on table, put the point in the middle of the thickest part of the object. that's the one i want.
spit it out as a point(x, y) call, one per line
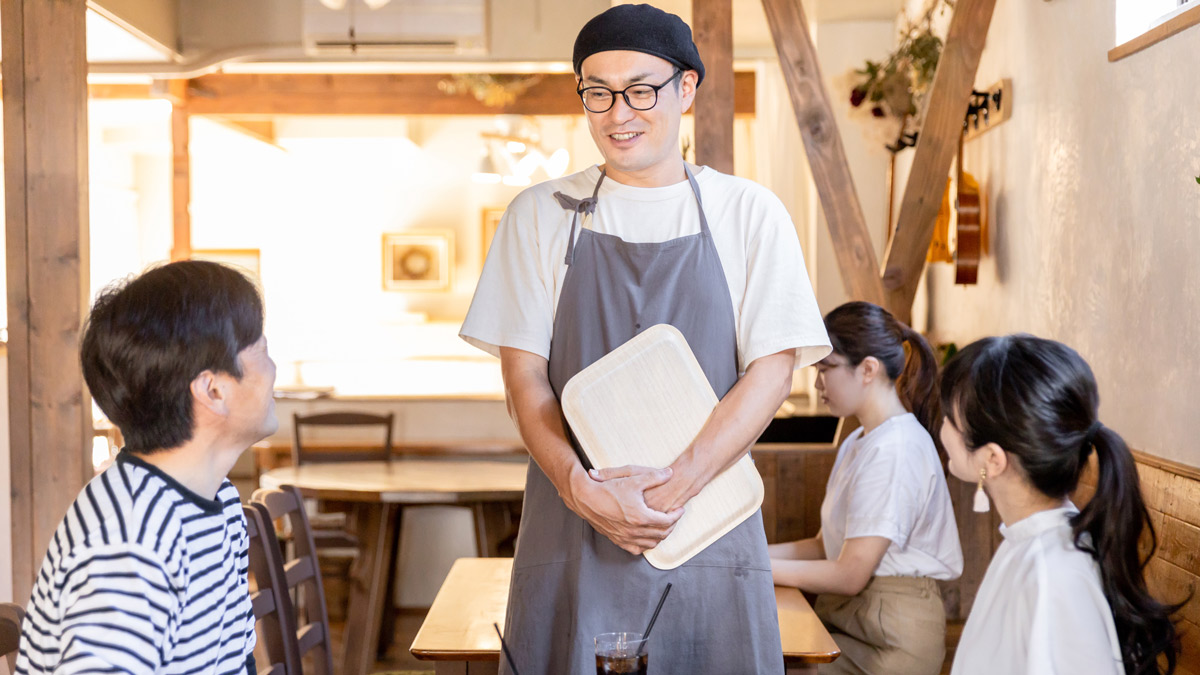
point(613, 502)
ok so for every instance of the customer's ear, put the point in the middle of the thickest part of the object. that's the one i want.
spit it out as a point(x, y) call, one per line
point(209, 393)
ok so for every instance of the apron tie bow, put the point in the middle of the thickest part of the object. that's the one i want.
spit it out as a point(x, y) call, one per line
point(578, 206)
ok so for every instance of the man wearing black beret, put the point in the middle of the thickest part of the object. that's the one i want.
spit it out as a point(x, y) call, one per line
point(581, 264)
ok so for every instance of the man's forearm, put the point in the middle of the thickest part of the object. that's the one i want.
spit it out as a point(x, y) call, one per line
point(738, 420)
point(538, 416)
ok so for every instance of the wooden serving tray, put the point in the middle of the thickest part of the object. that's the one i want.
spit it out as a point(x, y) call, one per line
point(643, 404)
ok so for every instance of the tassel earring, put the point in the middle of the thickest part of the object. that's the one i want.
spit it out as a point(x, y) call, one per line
point(982, 503)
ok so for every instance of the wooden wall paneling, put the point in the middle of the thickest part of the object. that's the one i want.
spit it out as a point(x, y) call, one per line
point(1189, 656)
point(767, 464)
point(794, 477)
point(1179, 543)
point(936, 147)
point(817, 467)
point(389, 94)
point(712, 24)
point(46, 208)
point(826, 156)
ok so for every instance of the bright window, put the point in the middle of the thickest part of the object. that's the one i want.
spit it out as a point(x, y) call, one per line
point(1135, 17)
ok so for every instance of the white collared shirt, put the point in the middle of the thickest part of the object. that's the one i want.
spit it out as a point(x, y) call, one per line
point(1041, 609)
point(890, 483)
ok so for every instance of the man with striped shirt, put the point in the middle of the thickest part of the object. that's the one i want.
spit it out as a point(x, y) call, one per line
point(147, 571)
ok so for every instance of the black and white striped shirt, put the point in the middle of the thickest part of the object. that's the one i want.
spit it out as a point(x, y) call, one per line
point(143, 576)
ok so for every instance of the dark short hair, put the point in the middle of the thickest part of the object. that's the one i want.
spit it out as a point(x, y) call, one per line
point(147, 338)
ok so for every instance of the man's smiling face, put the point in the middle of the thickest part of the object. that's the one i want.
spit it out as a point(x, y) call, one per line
point(635, 143)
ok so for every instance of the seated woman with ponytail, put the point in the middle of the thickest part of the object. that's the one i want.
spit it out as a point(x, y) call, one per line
point(887, 528)
point(1064, 592)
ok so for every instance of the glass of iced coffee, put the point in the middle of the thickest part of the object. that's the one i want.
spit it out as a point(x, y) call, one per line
point(621, 653)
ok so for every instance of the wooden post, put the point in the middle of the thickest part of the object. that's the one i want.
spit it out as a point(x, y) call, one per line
point(181, 180)
point(823, 145)
point(712, 23)
point(936, 147)
point(46, 210)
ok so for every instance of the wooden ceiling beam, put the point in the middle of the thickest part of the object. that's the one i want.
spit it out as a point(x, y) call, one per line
point(826, 155)
point(259, 129)
point(936, 147)
point(387, 94)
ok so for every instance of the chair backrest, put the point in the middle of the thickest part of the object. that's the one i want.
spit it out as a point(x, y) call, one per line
point(269, 599)
point(11, 616)
point(303, 455)
point(303, 574)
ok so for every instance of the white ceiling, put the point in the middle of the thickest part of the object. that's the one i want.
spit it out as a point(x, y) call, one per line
point(110, 43)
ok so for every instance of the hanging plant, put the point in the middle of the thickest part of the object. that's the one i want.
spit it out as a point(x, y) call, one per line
point(894, 89)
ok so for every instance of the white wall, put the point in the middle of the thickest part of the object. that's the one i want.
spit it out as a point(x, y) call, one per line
point(1095, 212)
point(843, 46)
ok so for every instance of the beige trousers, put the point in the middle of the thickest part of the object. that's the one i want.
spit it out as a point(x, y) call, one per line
point(895, 626)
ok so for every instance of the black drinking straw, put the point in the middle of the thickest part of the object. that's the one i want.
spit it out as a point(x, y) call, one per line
point(504, 646)
point(653, 618)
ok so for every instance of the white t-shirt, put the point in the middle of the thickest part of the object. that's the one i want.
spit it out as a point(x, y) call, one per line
point(773, 304)
point(1041, 609)
point(889, 483)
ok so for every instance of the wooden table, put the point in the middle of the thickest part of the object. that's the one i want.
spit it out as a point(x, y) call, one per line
point(378, 490)
point(458, 637)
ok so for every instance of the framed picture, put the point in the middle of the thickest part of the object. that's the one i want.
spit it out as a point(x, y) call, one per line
point(245, 260)
point(417, 261)
point(491, 220)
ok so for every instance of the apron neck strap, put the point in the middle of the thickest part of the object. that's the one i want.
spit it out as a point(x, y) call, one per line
point(588, 205)
point(699, 204)
point(578, 206)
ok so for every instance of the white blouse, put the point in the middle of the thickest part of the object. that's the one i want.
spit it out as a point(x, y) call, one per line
point(772, 300)
point(890, 483)
point(1041, 609)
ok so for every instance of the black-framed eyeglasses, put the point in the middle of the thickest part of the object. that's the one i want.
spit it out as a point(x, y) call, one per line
point(637, 96)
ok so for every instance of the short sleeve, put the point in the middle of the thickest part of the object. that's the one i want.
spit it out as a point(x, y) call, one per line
point(779, 310)
point(513, 304)
point(883, 500)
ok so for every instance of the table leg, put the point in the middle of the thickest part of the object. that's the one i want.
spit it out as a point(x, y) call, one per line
point(481, 529)
point(387, 624)
point(376, 532)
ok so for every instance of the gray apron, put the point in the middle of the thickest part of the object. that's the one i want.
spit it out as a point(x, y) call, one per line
point(570, 583)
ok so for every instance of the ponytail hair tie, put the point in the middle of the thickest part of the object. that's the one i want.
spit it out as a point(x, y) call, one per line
point(1090, 437)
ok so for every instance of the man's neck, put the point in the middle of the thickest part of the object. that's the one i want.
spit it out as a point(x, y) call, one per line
point(662, 174)
point(200, 466)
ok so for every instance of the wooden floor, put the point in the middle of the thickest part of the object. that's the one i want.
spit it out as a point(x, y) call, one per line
point(398, 660)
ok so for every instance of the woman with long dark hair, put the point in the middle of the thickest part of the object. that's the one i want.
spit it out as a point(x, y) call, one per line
point(1064, 592)
point(887, 527)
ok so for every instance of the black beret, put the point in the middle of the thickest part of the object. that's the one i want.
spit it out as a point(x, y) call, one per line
point(639, 28)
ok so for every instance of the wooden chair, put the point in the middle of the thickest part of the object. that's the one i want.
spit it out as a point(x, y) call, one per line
point(333, 529)
point(303, 455)
point(11, 616)
point(269, 599)
point(302, 574)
